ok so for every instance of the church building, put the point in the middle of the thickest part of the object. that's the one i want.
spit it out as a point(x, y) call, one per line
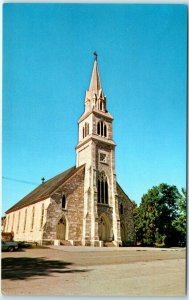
point(84, 205)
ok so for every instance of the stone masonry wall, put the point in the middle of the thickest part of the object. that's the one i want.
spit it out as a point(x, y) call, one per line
point(126, 217)
point(73, 189)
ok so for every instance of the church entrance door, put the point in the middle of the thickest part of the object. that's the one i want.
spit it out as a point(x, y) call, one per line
point(104, 229)
point(61, 229)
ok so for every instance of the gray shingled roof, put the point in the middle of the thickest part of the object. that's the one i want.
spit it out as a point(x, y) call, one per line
point(44, 190)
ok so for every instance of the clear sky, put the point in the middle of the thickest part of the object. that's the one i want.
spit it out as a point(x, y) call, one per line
point(47, 64)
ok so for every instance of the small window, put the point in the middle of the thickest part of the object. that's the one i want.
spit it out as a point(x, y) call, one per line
point(105, 131)
point(33, 215)
point(8, 222)
point(102, 157)
point(42, 215)
point(98, 128)
point(25, 219)
point(63, 201)
point(12, 222)
point(100, 105)
point(85, 130)
point(121, 209)
point(18, 222)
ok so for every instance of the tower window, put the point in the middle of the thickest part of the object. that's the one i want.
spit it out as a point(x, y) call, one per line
point(102, 129)
point(98, 128)
point(102, 185)
point(85, 130)
point(64, 201)
point(102, 157)
point(105, 130)
point(100, 104)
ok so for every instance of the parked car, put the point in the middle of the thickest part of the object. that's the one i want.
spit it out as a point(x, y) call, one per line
point(9, 246)
point(24, 245)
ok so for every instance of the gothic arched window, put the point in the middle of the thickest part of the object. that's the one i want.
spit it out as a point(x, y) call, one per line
point(98, 128)
point(8, 222)
point(33, 215)
point(18, 222)
point(102, 129)
point(102, 186)
point(42, 214)
point(100, 104)
point(121, 209)
point(12, 222)
point(105, 130)
point(63, 201)
point(25, 219)
point(85, 130)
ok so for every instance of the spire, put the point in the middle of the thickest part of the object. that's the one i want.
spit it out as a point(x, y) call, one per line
point(95, 84)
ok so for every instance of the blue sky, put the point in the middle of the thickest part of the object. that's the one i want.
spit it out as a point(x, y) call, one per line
point(47, 64)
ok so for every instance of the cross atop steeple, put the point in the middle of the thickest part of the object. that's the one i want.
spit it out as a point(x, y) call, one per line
point(95, 55)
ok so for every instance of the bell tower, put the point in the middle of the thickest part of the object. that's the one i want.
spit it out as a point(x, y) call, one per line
point(96, 149)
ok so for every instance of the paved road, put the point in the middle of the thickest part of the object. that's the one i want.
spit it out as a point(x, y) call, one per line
point(94, 272)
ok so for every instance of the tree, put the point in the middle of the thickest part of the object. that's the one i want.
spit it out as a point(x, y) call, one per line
point(181, 220)
point(155, 215)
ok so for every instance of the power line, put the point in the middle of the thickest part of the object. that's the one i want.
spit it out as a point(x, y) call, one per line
point(20, 181)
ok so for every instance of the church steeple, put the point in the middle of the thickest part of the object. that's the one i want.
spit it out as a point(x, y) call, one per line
point(94, 98)
point(96, 149)
point(95, 84)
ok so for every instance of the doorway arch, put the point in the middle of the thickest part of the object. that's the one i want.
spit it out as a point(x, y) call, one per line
point(104, 228)
point(61, 229)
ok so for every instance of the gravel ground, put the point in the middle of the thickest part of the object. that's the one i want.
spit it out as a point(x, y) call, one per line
point(88, 271)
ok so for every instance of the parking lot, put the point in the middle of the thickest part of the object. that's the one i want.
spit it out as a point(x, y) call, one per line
point(88, 271)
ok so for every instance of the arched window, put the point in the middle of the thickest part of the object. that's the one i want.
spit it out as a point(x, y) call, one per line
point(85, 130)
point(121, 209)
point(102, 129)
point(105, 130)
point(98, 128)
point(33, 215)
point(106, 192)
point(25, 219)
point(18, 222)
point(100, 104)
point(12, 222)
point(64, 201)
point(42, 215)
point(8, 222)
point(102, 185)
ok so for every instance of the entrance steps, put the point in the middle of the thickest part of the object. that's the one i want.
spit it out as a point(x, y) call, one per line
point(109, 244)
point(65, 243)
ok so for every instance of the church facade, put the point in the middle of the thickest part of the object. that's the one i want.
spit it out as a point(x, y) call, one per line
point(84, 205)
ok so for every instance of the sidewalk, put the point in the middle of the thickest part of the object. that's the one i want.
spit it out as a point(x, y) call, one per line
point(99, 249)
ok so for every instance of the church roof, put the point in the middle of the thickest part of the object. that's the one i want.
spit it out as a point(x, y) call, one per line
point(123, 192)
point(45, 189)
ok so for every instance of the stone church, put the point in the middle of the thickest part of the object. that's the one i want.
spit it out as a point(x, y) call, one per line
point(84, 205)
